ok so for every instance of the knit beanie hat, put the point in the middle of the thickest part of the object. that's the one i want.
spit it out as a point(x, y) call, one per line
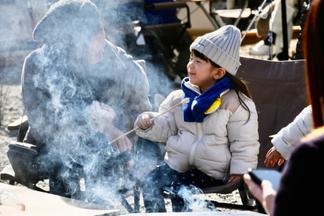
point(221, 46)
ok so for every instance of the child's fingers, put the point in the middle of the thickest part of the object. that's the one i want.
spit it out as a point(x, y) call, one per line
point(281, 161)
point(148, 123)
point(273, 158)
point(145, 121)
point(141, 124)
point(269, 160)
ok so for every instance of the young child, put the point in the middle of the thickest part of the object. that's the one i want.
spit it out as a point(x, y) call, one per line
point(211, 140)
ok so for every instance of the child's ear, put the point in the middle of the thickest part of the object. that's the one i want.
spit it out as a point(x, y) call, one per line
point(219, 73)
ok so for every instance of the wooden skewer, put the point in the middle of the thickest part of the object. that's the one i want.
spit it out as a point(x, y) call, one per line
point(183, 101)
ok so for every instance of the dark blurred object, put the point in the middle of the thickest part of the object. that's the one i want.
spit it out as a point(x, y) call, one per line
point(155, 15)
point(302, 18)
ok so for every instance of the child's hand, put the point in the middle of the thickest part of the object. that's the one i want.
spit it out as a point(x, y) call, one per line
point(273, 157)
point(145, 121)
point(234, 178)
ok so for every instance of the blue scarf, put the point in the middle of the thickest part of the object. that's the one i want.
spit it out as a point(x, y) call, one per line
point(195, 110)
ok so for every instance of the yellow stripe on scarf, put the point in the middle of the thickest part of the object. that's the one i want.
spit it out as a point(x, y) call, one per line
point(214, 106)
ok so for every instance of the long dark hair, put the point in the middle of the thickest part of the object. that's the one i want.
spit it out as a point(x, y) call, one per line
point(313, 48)
point(238, 84)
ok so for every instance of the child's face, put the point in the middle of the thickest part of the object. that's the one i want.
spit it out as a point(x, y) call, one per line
point(201, 72)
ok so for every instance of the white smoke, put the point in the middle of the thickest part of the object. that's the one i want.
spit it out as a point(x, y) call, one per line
point(190, 195)
point(18, 19)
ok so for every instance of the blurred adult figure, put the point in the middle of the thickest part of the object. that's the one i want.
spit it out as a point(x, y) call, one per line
point(80, 91)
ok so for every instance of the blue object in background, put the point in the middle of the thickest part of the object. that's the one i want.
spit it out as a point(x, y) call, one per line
point(153, 17)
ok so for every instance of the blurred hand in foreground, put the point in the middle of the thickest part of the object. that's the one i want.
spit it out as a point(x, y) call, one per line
point(264, 194)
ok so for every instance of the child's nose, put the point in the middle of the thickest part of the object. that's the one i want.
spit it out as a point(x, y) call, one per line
point(190, 65)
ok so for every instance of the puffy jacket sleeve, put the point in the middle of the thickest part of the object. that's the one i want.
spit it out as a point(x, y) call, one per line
point(289, 137)
point(164, 125)
point(243, 137)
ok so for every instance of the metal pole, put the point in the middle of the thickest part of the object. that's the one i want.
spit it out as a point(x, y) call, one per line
point(211, 20)
point(285, 55)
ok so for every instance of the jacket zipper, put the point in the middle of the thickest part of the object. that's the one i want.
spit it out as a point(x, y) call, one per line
point(195, 144)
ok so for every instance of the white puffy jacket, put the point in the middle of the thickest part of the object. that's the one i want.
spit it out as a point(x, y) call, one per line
point(289, 137)
point(225, 143)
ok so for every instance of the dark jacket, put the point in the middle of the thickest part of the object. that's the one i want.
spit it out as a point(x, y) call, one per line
point(301, 186)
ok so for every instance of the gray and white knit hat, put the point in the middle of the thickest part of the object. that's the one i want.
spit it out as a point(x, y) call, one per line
point(221, 46)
